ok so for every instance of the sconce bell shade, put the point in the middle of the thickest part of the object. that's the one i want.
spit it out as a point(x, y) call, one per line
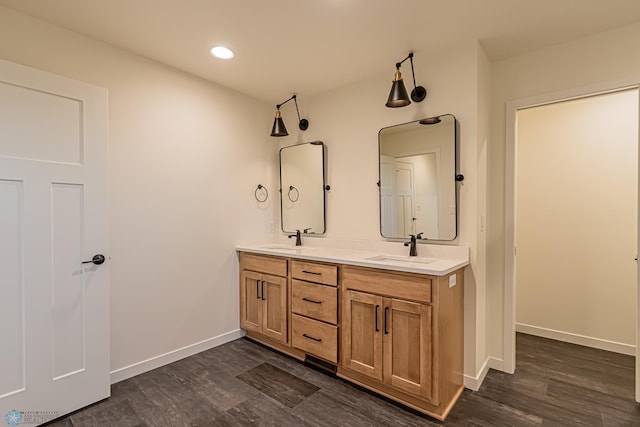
point(398, 97)
point(278, 126)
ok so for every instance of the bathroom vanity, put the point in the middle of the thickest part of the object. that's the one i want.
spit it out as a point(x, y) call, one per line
point(392, 324)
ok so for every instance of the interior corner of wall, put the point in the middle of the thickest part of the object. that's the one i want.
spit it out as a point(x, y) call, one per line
point(474, 382)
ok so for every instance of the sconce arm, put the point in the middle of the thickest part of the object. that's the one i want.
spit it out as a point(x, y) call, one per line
point(282, 103)
point(303, 124)
point(413, 73)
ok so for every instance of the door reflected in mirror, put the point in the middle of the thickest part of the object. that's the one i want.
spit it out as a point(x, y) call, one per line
point(302, 188)
point(417, 179)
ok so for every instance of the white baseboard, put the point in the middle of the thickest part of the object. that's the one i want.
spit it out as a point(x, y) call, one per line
point(474, 383)
point(173, 356)
point(497, 364)
point(601, 344)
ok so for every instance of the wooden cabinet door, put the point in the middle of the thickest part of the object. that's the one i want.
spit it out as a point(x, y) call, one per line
point(274, 307)
point(407, 347)
point(362, 333)
point(251, 301)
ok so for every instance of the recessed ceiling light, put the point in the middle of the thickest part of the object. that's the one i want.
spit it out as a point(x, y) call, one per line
point(222, 52)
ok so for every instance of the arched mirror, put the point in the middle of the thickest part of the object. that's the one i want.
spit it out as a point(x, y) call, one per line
point(418, 179)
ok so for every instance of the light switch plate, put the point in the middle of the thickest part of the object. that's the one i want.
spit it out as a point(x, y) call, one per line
point(452, 280)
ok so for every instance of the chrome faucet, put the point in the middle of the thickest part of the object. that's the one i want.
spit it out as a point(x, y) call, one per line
point(298, 237)
point(413, 250)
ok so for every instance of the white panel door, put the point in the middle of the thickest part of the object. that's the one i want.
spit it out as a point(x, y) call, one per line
point(387, 197)
point(405, 198)
point(54, 324)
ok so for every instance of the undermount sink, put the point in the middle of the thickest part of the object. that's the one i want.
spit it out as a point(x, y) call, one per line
point(400, 259)
point(280, 247)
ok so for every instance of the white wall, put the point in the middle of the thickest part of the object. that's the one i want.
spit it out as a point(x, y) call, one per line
point(185, 158)
point(601, 59)
point(576, 220)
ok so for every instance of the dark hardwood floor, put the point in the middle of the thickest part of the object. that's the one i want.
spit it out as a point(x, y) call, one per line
point(245, 384)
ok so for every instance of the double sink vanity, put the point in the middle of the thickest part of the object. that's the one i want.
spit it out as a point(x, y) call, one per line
point(382, 319)
point(387, 322)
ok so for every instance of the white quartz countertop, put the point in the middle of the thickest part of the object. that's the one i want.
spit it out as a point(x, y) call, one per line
point(429, 260)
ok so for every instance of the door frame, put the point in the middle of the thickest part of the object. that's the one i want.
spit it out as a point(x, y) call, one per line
point(509, 310)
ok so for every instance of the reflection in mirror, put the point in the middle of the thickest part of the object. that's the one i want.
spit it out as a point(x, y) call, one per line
point(302, 188)
point(417, 179)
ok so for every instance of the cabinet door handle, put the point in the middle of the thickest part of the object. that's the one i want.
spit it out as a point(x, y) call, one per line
point(386, 313)
point(377, 316)
point(311, 338)
point(257, 289)
point(311, 301)
point(263, 298)
point(311, 272)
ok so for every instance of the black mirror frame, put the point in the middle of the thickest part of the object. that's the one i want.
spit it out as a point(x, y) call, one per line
point(325, 188)
point(458, 179)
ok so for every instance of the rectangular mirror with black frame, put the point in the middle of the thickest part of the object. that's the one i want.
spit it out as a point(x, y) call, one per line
point(418, 189)
point(302, 188)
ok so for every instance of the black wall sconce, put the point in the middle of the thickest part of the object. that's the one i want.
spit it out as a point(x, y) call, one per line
point(278, 124)
point(398, 96)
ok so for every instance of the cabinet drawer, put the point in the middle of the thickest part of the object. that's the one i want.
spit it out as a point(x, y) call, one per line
point(263, 264)
point(315, 337)
point(396, 285)
point(314, 272)
point(317, 301)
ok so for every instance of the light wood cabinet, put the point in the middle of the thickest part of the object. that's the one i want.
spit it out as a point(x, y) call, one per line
point(313, 337)
point(361, 333)
point(388, 340)
point(402, 336)
point(251, 301)
point(314, 307)
point(263, 298)
point(315, 272)
point(398, 334)
point(406, 347)
point(315, 301)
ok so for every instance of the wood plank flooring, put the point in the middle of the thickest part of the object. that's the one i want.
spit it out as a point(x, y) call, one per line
point(245, 384)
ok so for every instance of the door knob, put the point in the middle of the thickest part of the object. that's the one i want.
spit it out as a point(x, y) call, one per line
point(97, 260)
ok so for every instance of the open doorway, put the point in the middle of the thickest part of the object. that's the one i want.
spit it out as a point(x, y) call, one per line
point(574, 187)
point(576, 210)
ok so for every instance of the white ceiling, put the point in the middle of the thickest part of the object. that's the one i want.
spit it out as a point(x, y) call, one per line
point(310, 46)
